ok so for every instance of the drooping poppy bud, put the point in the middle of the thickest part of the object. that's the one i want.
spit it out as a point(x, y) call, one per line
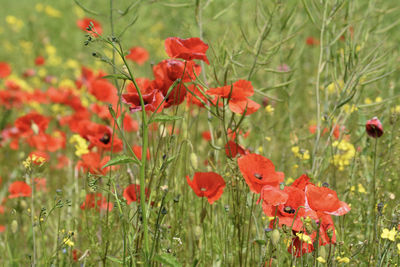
point(374, 127)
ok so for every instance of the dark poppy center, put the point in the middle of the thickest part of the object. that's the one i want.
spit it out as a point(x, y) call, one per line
point(105, 139)
point(289, 210)
point(258, 176)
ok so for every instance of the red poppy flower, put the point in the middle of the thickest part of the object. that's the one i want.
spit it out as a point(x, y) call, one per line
point(187, 49)
point(273, 196)
point(12, 98)
point(47, 142)
point(302, 182)
point(84, 23)
point(75, 255)
point(194, 94)
point(19, 189)
point(138, 152)
point(327, 230)
point(311, 41)
point(63, 161)
point(132, 193)
point(324, 201)
point(238, 94)
point(233, 135)
point(206, 135)
point(138, 54)
point(93, 163)
point(167, 71)
point(259, 171)
point(207, 184)
point(103, 90)
point(2, 228)
point(374, 127)
point(5, 70)
point(39, 61)
point(99, 136)
point(298, 247)
point(96, 201)
point(130, 125)
point(151, 101)
point(232, 149)
point(27, 123)
point(291, 211)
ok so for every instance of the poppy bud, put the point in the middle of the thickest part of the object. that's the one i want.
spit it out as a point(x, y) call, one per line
point(14, 226)
point(275, 236)
point(23, 204)
point(193, 160)
point(374, 127)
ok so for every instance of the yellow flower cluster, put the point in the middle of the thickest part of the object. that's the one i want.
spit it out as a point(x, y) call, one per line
point(81, 146)
point(15, 23)
point(360, 189)
point(33, 159)
point(389, 234)
point(49, 10)
point(369, 101)
point(305, 238)
point(335, 87)
point(345, 152)
point(349, 108)
point(342, 259)
point(302, 154)
point(269, 109)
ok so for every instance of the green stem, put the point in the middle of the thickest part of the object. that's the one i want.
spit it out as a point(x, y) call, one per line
point(318, 101)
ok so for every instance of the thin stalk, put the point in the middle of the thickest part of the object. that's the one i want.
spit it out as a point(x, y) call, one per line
point(318, 101)
point(33, 218)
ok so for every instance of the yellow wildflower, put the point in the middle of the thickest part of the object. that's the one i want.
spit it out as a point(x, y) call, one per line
point(305, 238)
point(349, 108)
point(52, 12)
point(68, 242)
point(386, 234)
point(81, 146)
point(344, 154)
point(15, 23)
point(342, 260)
point(303, 154)
point(335, 87)
point(269, 109)
point(321, 260)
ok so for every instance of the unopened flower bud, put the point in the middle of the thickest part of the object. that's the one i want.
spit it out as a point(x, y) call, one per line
point(374, 128)
point(14, 226)
point(275, 236)
point(193, 161)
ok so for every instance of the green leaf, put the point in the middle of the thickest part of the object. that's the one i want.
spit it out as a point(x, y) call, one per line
point(165, 118)
point(168, 260)
point(261, 242)
point(116, 77)
point(120, 160)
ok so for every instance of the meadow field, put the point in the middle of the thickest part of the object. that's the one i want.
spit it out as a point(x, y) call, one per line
point(199, 133)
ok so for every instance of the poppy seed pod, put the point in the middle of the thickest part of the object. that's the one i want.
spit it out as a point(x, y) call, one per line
point(374, 127)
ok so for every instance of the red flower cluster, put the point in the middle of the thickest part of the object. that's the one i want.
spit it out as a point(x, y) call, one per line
point(296, 206)
point(96, 201)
